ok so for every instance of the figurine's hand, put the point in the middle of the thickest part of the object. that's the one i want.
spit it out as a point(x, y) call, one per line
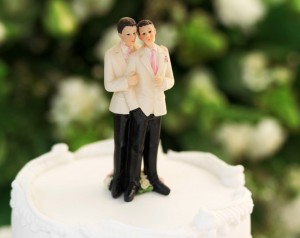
point(158, 81)
point(133, 80)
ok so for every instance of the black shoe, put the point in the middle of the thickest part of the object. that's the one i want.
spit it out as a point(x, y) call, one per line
point(159, 187)
point(131, 191)
point(116, 188)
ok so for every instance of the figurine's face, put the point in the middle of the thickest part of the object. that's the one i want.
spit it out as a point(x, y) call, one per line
point(128, 35)
point(147, 35)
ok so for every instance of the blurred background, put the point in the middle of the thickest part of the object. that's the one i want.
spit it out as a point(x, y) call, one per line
point(236, 94)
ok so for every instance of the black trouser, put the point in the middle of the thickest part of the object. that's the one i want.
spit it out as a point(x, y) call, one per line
point(144, 141)
point(121, 139)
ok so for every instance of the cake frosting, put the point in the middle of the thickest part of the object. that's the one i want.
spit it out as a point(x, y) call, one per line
point(62, 194)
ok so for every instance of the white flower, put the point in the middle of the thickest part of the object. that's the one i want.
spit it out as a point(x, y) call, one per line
point(252, 141)
point(266, 139)
point(2, 32)
point(290, 217)
point(5, 232)
point(202, 82)
point(85, 8)
point(77, 100)
point(255, 73)
point(234, 137)
point(167, 35)
point(111, 37)
point(144, 183)
point(143, 176)
point(240, 13)
point(108, 179)
point(293, 177)
point(202, 79)
point(281, 75)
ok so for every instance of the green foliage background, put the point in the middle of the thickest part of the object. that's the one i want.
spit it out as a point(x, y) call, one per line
point(44, 43)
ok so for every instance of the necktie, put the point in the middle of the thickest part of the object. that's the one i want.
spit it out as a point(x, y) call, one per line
point(153, 61)
point(127, 53)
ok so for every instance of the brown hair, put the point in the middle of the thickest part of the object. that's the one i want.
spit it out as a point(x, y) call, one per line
point(143, 23)
point(123, 22)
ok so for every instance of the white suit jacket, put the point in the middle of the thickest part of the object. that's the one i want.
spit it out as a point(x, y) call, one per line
point(147, 96)
point(114, 80)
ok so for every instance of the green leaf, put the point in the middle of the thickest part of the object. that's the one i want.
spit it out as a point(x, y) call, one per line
point(59, 19)
point(279, 27)
point(199, 40)
point(281, 102)
point(148, 189)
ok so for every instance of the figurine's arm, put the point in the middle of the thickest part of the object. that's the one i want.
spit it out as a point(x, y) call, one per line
point(111, 82)
point(167, 77)
point(130, 94)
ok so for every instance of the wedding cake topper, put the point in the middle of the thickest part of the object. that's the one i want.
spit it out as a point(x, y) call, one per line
point(139, 85)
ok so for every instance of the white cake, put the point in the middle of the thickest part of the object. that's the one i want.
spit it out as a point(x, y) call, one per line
point(62, 194)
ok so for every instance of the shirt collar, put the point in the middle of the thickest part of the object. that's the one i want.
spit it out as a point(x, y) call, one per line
point(125, 48)
point(148, 50)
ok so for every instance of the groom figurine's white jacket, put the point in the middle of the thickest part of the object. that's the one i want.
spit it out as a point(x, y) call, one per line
point(152, 66)
point(147, 96)
point(115, 80)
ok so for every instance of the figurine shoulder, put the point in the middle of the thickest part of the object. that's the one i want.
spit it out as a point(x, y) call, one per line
point(164, 48)
point(113, 50)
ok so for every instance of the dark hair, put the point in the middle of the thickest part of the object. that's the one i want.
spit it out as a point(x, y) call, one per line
point(143, 23)
point(123, 22)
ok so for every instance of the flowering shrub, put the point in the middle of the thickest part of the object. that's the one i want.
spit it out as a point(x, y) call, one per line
point(236, 93)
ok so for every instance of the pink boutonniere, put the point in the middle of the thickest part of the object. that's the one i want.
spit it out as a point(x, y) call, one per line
point(166, 59)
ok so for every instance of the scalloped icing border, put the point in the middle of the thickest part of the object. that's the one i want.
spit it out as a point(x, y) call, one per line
point(213, 223)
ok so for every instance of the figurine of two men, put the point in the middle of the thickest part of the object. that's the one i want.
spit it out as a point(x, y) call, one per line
point(138, 77)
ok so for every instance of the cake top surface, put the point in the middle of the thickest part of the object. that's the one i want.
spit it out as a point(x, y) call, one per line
point(74, 193)
point(68, 189)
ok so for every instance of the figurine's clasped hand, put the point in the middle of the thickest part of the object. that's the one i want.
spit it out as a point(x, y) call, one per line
point(132, 80)
point(158, 81)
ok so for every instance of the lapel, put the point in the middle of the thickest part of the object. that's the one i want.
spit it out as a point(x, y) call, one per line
point(145, 59)
point(119, 55)
point(161, 59)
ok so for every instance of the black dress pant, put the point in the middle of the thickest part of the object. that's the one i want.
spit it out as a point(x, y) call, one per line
point(121, 141)
point(144, 141)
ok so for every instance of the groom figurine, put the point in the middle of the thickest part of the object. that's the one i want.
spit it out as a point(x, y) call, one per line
point(152, 65)
point(115, 63)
